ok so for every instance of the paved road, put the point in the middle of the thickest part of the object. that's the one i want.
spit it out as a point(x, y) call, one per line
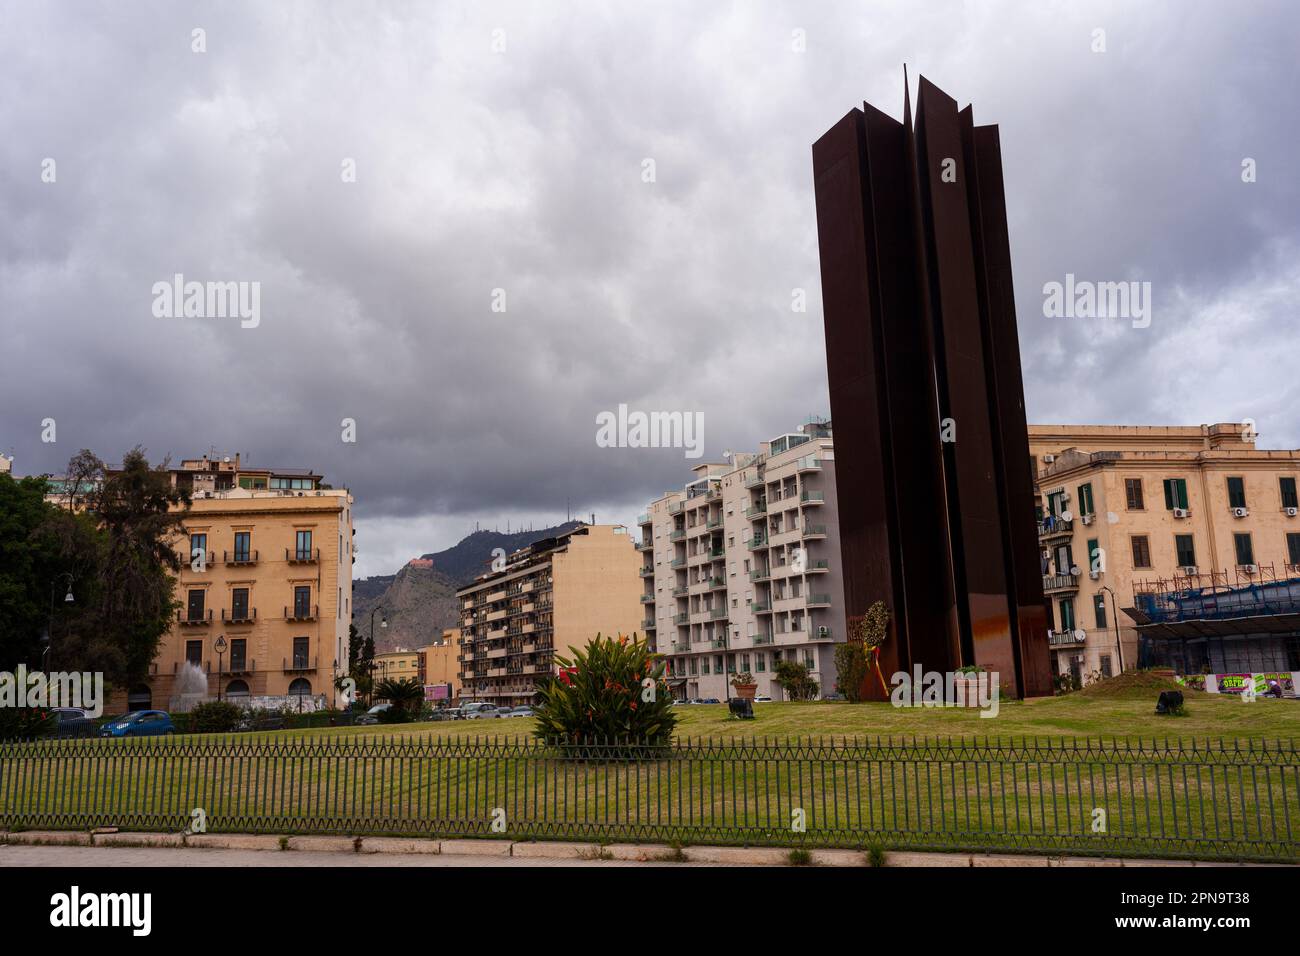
point(192, 856)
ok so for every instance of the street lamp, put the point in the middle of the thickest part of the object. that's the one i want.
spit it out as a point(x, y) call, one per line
point(220, 648)
point(370, 666)
point(1114, 609)
point(48, 638)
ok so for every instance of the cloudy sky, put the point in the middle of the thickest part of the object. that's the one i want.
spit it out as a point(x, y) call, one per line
point(502, 146)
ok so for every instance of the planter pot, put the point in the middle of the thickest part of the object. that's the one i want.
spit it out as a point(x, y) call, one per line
point(745, 691)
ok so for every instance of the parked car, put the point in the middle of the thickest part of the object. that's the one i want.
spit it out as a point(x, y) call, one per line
point(708, 700)
point(481, 711)
point(372, 715)
point(73, 722)
point(679, 701)
point(762, 699)
point(140, 723)
point(524, 711)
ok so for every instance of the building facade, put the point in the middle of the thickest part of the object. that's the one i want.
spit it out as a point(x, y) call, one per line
point(265, 590)
point(399, 664)
point(439, 668)
point(1131, 510)
point(741, 568)
point(548, 598)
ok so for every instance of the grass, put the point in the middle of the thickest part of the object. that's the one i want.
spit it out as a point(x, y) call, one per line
point(375, 780)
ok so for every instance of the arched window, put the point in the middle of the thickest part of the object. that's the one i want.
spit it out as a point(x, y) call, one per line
point(236, 689)
point(301, 687)
point(140, 698)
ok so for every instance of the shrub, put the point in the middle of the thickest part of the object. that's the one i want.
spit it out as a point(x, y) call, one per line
point(602, 695)
point(793, 678)
point(405, 696)
point(215, 717)
point(25, 723)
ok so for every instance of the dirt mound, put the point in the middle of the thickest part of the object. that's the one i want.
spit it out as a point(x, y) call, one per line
point(1136, 684)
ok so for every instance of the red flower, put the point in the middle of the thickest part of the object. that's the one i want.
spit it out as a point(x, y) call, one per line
point(566, 674)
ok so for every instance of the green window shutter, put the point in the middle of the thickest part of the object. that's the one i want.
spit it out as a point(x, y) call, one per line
point(1182, 492)
point(1092, 554)
point(1169, 494)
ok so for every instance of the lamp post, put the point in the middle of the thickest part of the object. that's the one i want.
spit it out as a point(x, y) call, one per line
point(220, 647)
point(1114, 610)
point(370, 665)
point(48, 640)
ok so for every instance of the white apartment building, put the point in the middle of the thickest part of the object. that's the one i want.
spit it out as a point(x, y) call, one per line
point(741, 568)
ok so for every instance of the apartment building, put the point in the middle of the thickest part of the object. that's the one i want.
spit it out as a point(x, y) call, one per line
point(265, 588)
point(1126, 511)
point(401, 664)
point(439, 669)
point(548, 598)
point(741, 568)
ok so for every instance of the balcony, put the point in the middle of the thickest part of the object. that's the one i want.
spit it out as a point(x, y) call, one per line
point(302, 555)
point(813, 498)
point(298, 665)
point(756, 510)
point(808, 463)
point(818, 600)
point(1054, 527)
point(716, 584)
point(760, 574)
point(814, 531)
point(1068, 638)
point(716, 553)
point(303, 612)
point(678, 563)
point(645, 545)
point(756, 542)
point(681, 647)
point(647, 599)
point(718, 643)
point(237, 668)
point(761, 607)
point(682, 619)
point(648, 625)
point(820, 634)
point(677, 535)
point(1060, 582)
point(647, 572)
point(239, 557)
point(762, 639)
point(758, 481)
point(187, 561)
point(643, 519)
point(193, 618)
point(239, 615)
point(718, 613)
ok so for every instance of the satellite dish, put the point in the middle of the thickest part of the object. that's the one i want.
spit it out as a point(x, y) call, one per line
point(1074, 570)
point(1067, 516)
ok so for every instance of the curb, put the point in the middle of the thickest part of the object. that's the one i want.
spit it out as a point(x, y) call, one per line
point(560, 850)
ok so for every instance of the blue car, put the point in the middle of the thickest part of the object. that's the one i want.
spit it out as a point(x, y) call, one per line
point(139, 723)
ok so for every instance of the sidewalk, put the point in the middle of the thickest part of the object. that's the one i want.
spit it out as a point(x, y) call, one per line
point(72, 848)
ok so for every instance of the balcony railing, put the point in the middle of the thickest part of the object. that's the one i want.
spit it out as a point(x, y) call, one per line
point(760, 574)
point(193, 618)
point(647, 599)
point(1067, 638)
point(760, 607)
point(239, 557)
point(758, 541)
point(808, 463)
point(1052, 525)
point(718, 613)
point(813, 497)
point(296, 664)
point(682, 619)
point(648, 625)
point(1060, 582)
point(645, 545)
point(239, 615)
point(302, 555)
point(758, 481)
point(818, 600)
point(677, 534)
point(647, 572)
point(302, 613)
point(762, 638)
point(188, 558)
point(643, 519)
point(814, 530)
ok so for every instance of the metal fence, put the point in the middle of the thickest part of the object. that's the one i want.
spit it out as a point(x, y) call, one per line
point(1205, 799)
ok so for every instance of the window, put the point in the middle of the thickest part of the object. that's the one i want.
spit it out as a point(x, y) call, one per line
point(242, 541)
point(1133, 494)
point(199, 547)
point(1287, 487)
point(1067, 614)
point(300, 648)
point(237, 689)
point(1293, 547)
point(1141, 551)
point(238, 654)
point(194, 653)
point(304, 545)
point(760, 662)
point(239, 604)
point(1245, 550)
point(196, 603)
point(1105, 665)
point(301, 602)
point(695, 666)
point(704, 666)
point(1085, 499)
point(1094, 556)
point(1175, 493)
point(1099, 611)
point(1236, 492)
point(301, 687)
point(1184, 551)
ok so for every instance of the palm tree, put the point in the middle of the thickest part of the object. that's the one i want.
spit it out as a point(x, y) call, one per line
point(406, 696)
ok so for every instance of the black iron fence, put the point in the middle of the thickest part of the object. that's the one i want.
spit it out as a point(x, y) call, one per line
point(1207, 799)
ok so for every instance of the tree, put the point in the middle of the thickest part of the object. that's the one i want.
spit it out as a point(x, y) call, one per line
point(406, 697)
point(366, 668)
point(793, 678)
point(126, 551)
point(850, 669)
point(30, 564)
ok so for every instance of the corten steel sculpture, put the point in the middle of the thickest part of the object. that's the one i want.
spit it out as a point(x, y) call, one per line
point(932, 451)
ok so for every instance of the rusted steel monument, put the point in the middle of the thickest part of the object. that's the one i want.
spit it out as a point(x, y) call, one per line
point(931, 446)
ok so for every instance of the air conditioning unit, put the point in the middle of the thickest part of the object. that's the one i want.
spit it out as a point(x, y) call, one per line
point(1250, 568)
point(1188, 570)
point(823, 631)
point(1049, 458)
point(1095, 575)
point(1086, 519)
point(1239, 512)
point(1181, 512)
point(1292, 512)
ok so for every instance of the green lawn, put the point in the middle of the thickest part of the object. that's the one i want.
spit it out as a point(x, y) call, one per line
point(1072, 716)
